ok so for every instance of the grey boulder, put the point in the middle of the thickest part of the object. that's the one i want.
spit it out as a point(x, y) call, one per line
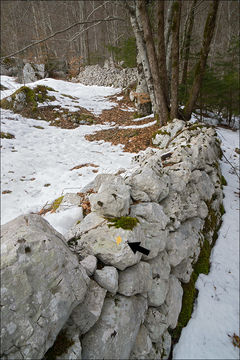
point(136, 279)
point(41, 283)
point(107, 278)
point(85, 315)
point(115, 333)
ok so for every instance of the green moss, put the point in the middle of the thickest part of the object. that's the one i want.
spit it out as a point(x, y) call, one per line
point(161, 132)
point(57, 203)
point(202, 266)
point(123, 222)
point(61, 346)
point(222, 210)
point(39, 94)
point(6, 135)
point(223, 181)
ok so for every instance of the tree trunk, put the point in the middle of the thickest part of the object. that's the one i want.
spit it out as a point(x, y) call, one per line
point(161, 50)
point(175, 59)
point(168, 38)
point(201, 65)
point(161, 104)
point(142, 53)
point(187, 41)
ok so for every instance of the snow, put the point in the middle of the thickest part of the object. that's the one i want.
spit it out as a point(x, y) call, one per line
point(138, 126)
point(216, 313)
point(92, 98)
point(37, 157)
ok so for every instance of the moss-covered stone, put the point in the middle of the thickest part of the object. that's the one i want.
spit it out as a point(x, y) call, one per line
point(161, 132)
point(123, 222)
point(223, 181)
point(202, 266)
point(28, 98)
point(6, 135)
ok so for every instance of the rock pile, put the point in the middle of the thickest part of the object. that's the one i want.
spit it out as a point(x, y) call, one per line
point(106, 301)
point(108, 75)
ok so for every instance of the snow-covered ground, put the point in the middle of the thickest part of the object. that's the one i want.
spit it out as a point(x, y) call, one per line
point(39, 157)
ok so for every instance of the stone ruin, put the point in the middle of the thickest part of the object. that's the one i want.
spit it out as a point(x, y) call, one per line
point(88, 295)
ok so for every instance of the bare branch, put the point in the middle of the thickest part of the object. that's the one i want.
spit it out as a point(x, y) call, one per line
point(89, 15)
point(61, 31)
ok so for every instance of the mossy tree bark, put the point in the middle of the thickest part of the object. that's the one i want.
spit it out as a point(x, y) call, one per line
point(161, 50)
point(175, 59)
point(201, 65)
point(185, 51)
point(161, 104)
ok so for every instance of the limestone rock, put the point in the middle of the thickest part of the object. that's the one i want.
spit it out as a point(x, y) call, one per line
point(183, 271)
point(153, 222)
point(142, 346)
point(168, 132)
point(86, 314)
point(173, 303)
point(161, 349)
point(156, 323)
point(102, 242)
point(91, 221)
point(185, 242)
point(146, 185)
point(112, 199)
point(160, 266)
point(69, 200)
point(107, 278)
point(115, 333)
point(158, 292)
point(89, 264)
point(41, 281)
point(136, 279)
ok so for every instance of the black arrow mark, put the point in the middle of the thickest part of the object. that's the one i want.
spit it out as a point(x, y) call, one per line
point(135, 246)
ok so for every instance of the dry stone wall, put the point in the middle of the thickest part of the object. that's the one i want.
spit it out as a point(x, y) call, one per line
point(108, 75)
point(90, 289)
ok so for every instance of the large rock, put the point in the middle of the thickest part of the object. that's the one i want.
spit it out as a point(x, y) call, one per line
point(142, 346)
point(115, 333)
point(89, 264)
point(173, 303)
point(112, 199)
point(186, 205)
point(107, 278)
point(160, 266)
point(156, 323)
point(135, 280)
point(153, 222)
point(86, 314)
point(158, 292)
point(41, 283)
point(110, 244)
point(168, 132)
point(185, 242)
point(32, 72)
point(90, 222)
point(146, 185)
point(161, 349)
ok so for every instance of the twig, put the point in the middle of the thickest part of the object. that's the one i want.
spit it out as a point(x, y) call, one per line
point(59, 32)
point(231, 165)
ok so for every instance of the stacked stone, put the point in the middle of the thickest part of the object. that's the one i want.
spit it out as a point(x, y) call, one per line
point(107, 76)
point(120, 304)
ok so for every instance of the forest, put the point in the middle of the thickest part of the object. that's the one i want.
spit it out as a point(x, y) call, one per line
point(191, 48)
